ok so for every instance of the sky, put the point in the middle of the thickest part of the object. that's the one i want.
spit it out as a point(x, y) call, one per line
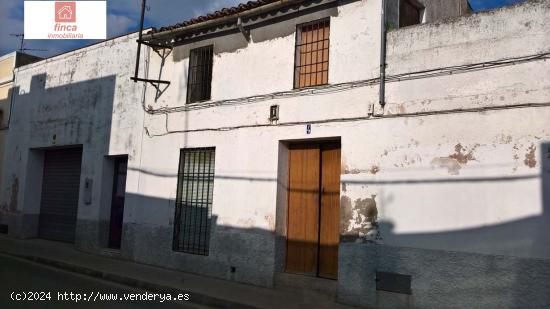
point(481, 5)
point(123, 17)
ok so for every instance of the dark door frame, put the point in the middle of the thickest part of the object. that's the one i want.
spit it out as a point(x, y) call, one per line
point(117, 202)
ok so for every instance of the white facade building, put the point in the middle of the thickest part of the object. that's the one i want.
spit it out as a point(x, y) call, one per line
point(446, 187)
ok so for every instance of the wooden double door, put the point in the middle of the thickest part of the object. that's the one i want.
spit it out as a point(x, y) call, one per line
point(313, 209)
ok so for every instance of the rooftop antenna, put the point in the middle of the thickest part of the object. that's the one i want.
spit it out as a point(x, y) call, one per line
point(22, 44)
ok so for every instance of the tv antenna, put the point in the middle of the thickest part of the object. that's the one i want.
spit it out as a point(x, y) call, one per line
point(22, 48)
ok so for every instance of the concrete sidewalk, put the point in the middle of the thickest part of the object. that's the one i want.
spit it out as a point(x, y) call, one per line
point(204, 291)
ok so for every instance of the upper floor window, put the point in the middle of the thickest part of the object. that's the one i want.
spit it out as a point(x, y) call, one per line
point(410, 13)
point(199, 81)
point(312, 48)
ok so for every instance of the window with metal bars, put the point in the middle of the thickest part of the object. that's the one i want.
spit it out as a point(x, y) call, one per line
point(312, 48)
point(199, 81)
point(194, 201)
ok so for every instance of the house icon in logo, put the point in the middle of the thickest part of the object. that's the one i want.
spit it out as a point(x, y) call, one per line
point(65, 12)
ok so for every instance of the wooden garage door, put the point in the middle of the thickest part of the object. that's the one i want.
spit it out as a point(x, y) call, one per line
point(60, 188)
point(313, 209)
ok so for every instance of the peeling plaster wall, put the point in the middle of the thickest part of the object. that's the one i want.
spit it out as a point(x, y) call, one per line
point(463, 171)
point(459, 181)
point(84, 97)
point(437, 178)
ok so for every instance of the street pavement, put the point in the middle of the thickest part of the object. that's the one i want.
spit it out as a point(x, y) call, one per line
point(18, 277)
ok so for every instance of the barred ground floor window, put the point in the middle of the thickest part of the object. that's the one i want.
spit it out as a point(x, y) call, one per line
point(194, 201)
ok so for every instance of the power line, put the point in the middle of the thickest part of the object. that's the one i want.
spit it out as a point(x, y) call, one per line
point(443, 71)
point(360, 118)
point(352, 85)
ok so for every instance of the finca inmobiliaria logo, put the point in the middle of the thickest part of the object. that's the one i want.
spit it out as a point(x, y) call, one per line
point(65, 22)
point(65, 19)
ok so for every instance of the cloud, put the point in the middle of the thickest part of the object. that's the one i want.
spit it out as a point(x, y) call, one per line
point(118, 24)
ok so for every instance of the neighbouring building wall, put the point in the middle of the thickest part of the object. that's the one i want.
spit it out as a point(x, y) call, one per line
point(7, 64)
point(24, 59)
point(6, 67)
point(505, 147)
point(81, 98)
point(459, 173)
point(6, 82)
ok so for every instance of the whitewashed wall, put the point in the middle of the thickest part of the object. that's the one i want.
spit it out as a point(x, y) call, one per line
point(84, 97)
point(444, 181)
point(467, 174)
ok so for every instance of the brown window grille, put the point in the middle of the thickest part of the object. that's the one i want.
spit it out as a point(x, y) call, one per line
point(199, 79)
point(193, 216)
point(312, 48)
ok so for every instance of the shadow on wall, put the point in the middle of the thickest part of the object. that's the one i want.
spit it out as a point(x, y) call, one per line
point(78, 112)
point(523, 237)
point(439, 277)
point(43, 118)
point(206, 247)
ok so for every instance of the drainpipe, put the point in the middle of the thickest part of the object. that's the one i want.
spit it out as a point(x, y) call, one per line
point(382, 99)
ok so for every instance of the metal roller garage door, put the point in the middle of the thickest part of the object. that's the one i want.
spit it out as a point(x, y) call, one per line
point(60, 187)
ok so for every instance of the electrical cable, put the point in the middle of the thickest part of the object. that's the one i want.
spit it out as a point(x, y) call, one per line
point(352, 119)
point(328, 89)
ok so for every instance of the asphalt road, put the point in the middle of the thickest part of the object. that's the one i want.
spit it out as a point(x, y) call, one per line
point(18, 276)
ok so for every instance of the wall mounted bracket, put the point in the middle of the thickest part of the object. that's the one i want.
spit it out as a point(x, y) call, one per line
point(156, 47)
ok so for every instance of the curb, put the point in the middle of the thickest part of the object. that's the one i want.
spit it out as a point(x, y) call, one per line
point(195, 298)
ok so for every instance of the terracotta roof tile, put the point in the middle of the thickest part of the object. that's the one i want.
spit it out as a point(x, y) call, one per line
point(217, 14)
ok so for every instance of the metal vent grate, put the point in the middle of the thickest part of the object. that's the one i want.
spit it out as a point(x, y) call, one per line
point(392, 282)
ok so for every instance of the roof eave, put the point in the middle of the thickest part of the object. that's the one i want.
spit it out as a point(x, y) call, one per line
point(159, 36)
